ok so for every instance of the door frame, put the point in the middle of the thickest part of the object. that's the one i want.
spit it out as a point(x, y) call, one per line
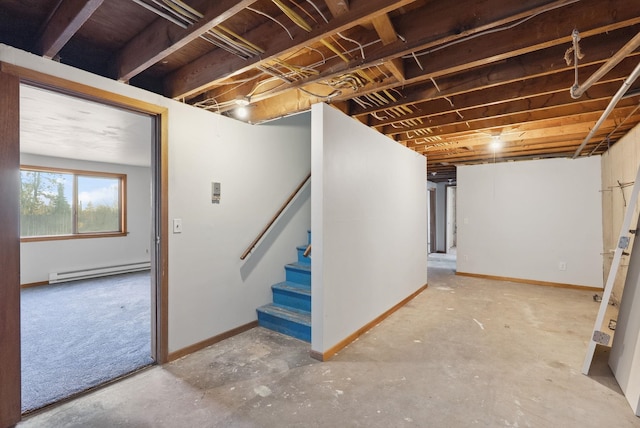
point(11, 76)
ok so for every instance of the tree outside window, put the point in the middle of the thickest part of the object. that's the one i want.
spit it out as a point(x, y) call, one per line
point(57, 203)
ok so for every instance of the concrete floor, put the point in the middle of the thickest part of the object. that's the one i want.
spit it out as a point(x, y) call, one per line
point(466, 352)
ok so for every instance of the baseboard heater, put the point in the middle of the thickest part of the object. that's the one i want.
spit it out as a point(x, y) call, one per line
point(74, 275)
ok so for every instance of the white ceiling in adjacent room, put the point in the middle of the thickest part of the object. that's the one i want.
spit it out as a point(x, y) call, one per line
point(60, 125)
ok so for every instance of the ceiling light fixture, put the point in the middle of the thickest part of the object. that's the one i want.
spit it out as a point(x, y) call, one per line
point(495, 145)
point(243, 101)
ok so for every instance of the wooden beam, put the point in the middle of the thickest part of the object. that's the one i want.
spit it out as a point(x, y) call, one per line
point(211, 68)
point(396, 67)
point(337, 7)
point(485, 153)
point(64, 23)
point(533, 64)
point(520, 115)
point(552, 126)
point(444, 29)
point(596, 17)
point(559, 133)
point(10, 387)
point(546, 30)
point(384, 28)
point(162, 38)
point(551, 84)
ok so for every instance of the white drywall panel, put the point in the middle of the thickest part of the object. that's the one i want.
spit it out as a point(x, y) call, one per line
point(38, 259)
point(369, 222)
point(619, 166)
point(210, 289)
point(524, 219)
point(624, 359)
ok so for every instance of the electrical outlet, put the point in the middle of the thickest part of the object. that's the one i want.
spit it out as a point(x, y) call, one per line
point(177, 225)
point(562, 265)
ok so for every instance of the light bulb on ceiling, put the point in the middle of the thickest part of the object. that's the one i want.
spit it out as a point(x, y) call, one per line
point(496, 144)
point(242, 112)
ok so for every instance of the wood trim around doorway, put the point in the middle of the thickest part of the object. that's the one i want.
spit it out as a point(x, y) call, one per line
point(10, 78)
point(10, 383)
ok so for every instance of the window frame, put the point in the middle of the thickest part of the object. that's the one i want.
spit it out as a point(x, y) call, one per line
point(122, 203)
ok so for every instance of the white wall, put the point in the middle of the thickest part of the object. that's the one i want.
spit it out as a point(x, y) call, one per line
point(521, 219)
point(38, 259)
point(210, 290)
point(369, 222)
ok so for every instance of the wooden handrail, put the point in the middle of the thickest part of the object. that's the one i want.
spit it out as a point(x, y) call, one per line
point(274, 218)
point(307, 251)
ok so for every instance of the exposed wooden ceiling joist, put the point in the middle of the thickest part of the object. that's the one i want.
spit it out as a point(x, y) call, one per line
point(199, 75)
point(442, 78)
point(337, 7)
point(64, 23)
point(162, 38)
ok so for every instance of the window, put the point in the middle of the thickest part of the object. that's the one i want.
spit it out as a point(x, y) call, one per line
point(63, 204)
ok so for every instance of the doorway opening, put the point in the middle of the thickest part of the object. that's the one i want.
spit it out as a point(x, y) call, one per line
point(90, 297)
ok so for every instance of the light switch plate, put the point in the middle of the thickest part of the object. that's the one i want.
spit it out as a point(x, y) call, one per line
point(177, 225)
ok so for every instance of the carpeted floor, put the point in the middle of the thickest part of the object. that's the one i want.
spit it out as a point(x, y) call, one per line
point(80, 334)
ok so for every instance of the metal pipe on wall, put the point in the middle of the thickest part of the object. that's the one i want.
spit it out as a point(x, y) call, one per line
point(578, 90)
point(612, 104)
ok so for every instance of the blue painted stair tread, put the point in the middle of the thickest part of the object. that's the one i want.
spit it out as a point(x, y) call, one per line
point(298, 272)
point(287, 321)
point(292, 295)
point(301, 258)
point(290, 312)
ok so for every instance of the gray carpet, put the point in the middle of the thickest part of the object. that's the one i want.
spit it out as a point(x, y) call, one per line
point(77, 335)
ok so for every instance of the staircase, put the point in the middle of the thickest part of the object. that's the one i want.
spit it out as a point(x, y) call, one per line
point(290, 312)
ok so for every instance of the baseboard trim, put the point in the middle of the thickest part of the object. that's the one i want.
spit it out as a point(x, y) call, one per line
point(210, 341)
point(327, 355)
point(34, 284)
point(530, 281)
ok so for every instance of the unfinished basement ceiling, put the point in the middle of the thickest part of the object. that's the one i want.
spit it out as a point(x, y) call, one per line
point(443, 78)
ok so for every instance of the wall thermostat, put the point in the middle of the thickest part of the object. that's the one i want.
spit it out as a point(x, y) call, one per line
point(215, 193)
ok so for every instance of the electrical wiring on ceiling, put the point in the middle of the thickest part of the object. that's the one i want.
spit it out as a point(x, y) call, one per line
point(271, 18)
point(463, 39)
point(439, 144)
point(292, 15)
point(279, 71)
point(303, 10)
point(408, 123)
point(183, 15)
point(333, 94)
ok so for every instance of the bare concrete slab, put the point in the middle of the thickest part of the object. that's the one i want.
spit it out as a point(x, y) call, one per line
point(466, 352)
